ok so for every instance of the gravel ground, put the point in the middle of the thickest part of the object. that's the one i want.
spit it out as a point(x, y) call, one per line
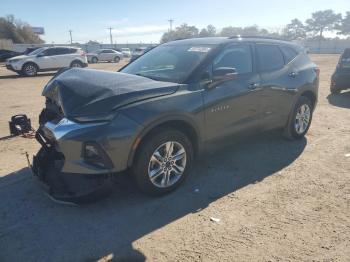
point(262, 199)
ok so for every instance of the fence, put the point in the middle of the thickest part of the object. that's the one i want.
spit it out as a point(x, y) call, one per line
point(85, 47)
point(329, 46)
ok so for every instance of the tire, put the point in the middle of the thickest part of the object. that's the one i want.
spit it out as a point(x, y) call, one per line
point(299, 123)
point(29, 69)
point(117, 59)
point(145, 163)
point(94, 60)
point(77, 64)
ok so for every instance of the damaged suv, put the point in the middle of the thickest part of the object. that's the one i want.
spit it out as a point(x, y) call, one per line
point(157, 113)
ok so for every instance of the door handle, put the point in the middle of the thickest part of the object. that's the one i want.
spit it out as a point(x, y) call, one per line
point(253, 86)
point(293, 74)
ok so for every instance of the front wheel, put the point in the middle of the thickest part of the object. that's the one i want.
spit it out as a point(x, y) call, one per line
point(117, 59)
point(300, 120)
point(29, 69)
point(163, 161)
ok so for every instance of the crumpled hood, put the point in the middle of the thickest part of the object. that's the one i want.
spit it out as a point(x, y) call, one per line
point(88, 92)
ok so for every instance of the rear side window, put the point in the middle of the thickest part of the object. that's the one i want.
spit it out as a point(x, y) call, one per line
point(65, 51)
point(288, 53)
point(235, 56)
point(270, 57)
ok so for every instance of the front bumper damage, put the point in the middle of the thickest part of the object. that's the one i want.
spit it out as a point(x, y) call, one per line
point(68, 188)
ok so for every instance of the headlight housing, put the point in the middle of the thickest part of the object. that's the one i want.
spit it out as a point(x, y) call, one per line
point(14, 60)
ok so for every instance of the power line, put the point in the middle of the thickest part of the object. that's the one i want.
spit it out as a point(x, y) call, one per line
point(110, 35)
point(71, 39)
point(171, 24)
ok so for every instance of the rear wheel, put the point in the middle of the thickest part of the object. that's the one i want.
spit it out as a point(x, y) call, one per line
point(300, 120)
point(162, 162)
point(76, 64)
point(94, 60)
point(29, 69)
point(117, 59)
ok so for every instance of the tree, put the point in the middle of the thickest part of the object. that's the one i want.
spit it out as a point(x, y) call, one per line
point(17, 31)
point(344, 26)
point(183, 31)
point(92, 42)
point(321, 21)
point(230, 31)
point(208, 32)
point(294, 30)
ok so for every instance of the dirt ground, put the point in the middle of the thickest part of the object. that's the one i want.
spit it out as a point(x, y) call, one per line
point(276, 200)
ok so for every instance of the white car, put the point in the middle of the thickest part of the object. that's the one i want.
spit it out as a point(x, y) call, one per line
point(47, 59)
point(126, 52)
point(109, 55)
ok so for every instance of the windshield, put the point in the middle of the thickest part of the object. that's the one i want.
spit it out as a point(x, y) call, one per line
point(37, 51)
point(172, 63)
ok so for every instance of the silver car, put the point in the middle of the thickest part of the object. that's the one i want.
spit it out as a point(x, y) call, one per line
point(109, 55)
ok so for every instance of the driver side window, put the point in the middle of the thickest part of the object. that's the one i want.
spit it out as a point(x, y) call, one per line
point(235, 56)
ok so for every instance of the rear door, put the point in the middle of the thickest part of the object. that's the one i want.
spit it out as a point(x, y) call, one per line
point(278, 82)
point(235, 105)
point(104, 55)
point(64, 56)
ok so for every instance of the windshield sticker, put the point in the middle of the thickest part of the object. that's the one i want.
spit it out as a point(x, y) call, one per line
point(201, 49)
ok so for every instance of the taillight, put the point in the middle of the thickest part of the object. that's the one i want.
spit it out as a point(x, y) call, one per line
point(317, 70)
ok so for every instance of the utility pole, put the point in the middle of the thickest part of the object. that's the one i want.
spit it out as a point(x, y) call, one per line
point(171, 24)
point(71, 39)
point(110, 35)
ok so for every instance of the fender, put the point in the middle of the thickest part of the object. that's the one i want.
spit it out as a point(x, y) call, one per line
point(159, 121)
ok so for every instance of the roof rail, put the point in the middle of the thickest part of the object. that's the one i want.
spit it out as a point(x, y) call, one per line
point(257, 36)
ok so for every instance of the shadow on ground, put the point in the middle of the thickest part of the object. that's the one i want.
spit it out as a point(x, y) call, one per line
point(18, 76)
point(33, 228)
point(340, 100)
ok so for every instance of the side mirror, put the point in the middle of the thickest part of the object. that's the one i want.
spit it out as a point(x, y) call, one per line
point(222, 75)
point(40, 55)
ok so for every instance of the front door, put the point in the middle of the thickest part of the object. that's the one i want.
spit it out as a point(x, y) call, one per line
point(233, 106)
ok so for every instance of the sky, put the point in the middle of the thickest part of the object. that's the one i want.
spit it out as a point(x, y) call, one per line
point(135, 21)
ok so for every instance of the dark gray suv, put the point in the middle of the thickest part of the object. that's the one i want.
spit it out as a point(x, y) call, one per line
point(160, 111)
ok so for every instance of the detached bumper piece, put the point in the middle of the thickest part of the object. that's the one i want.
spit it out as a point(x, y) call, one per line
point(63, 187)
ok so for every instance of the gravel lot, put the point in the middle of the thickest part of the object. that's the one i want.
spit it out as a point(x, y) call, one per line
point(276, 200)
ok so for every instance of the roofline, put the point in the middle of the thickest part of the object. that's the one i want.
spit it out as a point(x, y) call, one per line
point(258, 37)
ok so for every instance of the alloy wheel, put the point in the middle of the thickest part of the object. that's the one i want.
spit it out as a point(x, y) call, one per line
point(30, 70)
point(302, 119)
point(167, 164)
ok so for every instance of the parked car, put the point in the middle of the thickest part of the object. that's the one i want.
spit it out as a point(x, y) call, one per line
point(126, 52)
point(341, 77)
point(47, 59)
point(6, 54)
point(109, 55)
point(29, 50)
point(139, 52)
point(162, 110)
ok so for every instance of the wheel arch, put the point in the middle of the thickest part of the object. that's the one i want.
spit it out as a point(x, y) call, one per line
point(75, 60)
point(310, 95)
point(30, 62)
point(181, 124)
